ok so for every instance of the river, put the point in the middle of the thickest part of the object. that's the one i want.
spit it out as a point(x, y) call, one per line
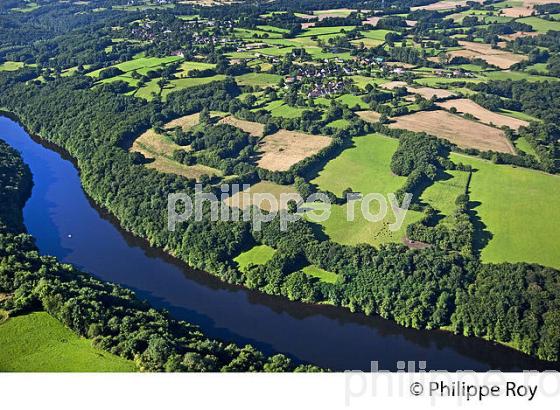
point(68, 225)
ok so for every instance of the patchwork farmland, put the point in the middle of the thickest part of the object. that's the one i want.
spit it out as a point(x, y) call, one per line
point(449, 108)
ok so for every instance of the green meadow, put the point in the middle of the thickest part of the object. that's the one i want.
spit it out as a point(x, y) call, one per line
point(378, 34)
point(321, 274)
point(353, 100)
point(247, 34)
point(339, 124)
point(516, 76)
point(11, 66)
point(441, 195)
point(257, 255)
point(365, 168)
point(37, 342)
point(152, 86)
point(319, 31)
point(140, 64)
point(523, 145)
point(540, 25)
point(361, 80)
point(278, 108)
point(258, 79)
point(520, 208)
point(273, 29)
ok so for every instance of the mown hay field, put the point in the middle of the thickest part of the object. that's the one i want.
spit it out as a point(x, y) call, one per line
point(460, 131)
point(285, 148)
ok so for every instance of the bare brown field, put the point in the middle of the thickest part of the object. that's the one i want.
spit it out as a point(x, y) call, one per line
point(517, 11)
point(369, 116)
point(500, 58)
point(535, 2)
point(426, 92)
point(185, 122)
point(246, 198)
point(160, 149)
point(443, 5)
point(208, 3)
point(399, 64)
point(253, 128)
point(466, 106)
point(429, 92)
point(323, 14)
point(368, 42)
point(372, 20)
point(307, 16)
point(152, 144)
point(462, 132)
point(393, 84)
point(519, 34)
point(168, 166)
point(285, 148)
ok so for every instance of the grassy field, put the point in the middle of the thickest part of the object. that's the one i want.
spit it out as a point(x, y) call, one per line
point(11, 66)
point(146, 92)
point(248, 34)
point(516, 76)
point(279, 109)
point(339, 124)
point(367, 42)
point(321, 274)
point(366, 169)
point(160, 148)
point(140, 64)
point(540, 25)
point(353, 100)
point(319, 31)
point(258, 79)
point(39, 343)
point(245, 198)
point(361, 81)
point(181, 83)
point(378, 35)
point(521, 209)
point(442, 195)
point(186, 66)
point(519, 115)
point(273, 29)
point(523, 145)
point(435, 81)
point(538, 67)
point(258, 255)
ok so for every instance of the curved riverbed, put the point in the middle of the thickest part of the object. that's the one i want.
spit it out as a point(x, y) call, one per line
point(66, 224)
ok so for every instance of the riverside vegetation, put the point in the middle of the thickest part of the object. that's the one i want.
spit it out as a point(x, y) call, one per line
point(96, 112)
